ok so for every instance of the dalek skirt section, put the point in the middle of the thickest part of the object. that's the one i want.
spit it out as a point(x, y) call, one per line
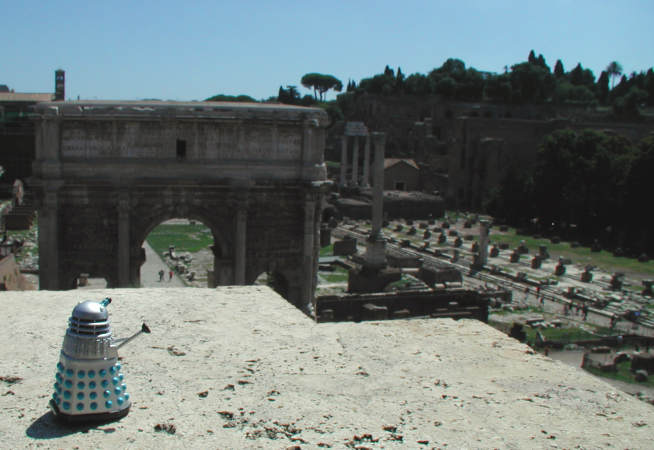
point(89, 384)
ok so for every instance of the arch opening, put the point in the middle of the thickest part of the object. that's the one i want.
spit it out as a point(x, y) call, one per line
point(274, 279)
point(177, 252)
point(85, 280)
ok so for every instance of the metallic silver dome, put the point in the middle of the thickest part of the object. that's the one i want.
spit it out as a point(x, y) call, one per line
point(89, 318)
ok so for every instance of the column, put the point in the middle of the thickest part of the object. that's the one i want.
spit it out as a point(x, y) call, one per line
point(343, 181)
point(375, 257)
point(484, 226)
point(240, 243)
point(49, 241)
point(123, 240)
point(378, 183)
point(355, 162)
point(366, 163)
point(308, 241)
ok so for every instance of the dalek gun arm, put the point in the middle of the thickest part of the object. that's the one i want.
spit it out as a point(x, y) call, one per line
point(122, 341)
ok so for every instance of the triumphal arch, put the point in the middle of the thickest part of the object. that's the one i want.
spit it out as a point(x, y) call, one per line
point(106, 173)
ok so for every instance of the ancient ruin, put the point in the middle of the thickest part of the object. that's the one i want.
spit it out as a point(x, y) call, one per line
point(106, 173)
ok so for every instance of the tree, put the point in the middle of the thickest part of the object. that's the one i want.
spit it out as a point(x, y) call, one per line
point(231, 98)
point(614, 69)
point(581, 77)
point(558, 69)
point(321, 83)
point(531, 82)
point(603, 87)
point(288, 96)
point(418, 84)
point(531, 59)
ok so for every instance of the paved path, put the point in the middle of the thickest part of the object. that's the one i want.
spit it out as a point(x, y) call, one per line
point(150, 271)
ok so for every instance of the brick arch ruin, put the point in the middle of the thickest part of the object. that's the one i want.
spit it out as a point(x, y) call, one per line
point(106, 173)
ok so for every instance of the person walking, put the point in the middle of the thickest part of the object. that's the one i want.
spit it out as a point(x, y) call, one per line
point(170, 275)
point(161, 275)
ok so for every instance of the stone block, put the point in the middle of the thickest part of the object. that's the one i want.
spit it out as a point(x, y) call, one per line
point(345, 247)
point(325, 236)
point(370, 311)
point(536, 262)
point(400, 313)
point(326, 315)
point(559, 269)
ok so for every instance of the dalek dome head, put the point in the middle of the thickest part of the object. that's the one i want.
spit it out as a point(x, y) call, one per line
point(89, 319)
point(90, 311)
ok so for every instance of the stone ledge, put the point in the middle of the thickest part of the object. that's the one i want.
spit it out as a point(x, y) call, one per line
point(239, 367)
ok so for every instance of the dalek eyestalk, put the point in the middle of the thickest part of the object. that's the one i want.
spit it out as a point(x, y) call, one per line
point(89, 384)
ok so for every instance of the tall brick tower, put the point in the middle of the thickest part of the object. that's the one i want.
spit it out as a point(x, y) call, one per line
point(60, 85)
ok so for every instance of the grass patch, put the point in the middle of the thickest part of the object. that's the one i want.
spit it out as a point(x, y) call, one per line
point(31, 235)
point(580, 255)
point(565, 335)
point(185, 238)
point(623, 374)
point(506, 312)
point(328, 250)
point(339, 275)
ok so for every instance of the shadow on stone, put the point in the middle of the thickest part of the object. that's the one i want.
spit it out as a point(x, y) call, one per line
point(47, 427)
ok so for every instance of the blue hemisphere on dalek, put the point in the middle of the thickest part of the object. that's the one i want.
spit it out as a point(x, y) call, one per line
point(89, 382)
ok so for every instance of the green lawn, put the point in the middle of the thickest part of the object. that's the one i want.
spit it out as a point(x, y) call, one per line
point(623, 374)
point(185, 238)
point(339, 275)
point(580, 255)
point(327, 250)
point(566, 335)
point(31, 235)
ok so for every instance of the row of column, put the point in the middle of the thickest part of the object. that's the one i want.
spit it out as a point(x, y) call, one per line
point(354, 176)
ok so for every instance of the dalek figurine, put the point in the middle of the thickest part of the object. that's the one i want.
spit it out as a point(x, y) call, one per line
point(89, 384)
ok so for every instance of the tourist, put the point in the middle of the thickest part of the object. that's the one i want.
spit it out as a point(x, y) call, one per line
point(161, 275)
point(170, 275)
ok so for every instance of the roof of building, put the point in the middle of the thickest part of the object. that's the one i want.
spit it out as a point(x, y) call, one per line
point(390, 162)
point(25, 97)
point(194, 109)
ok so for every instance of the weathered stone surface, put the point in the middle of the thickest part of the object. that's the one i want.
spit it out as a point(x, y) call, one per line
point(411, 373)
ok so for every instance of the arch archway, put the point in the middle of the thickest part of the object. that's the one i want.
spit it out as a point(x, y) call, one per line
point(106, 173)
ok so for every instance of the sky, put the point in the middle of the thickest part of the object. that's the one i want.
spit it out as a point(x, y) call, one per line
point(191, 50)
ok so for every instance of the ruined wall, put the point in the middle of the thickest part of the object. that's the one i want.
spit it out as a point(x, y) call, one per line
point(403, 173)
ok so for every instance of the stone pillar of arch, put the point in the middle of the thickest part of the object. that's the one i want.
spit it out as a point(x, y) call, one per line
point(49, 241)
point(309, 261)
point(124, 257)
point(240, 233)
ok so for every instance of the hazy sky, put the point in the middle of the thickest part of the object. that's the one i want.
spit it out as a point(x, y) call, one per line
point(191, 50)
